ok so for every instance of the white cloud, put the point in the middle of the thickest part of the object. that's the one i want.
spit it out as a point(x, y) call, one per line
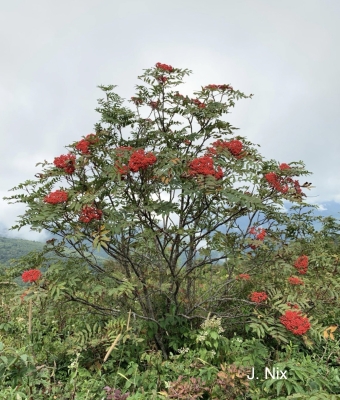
point(322, 208)
point(53, 63)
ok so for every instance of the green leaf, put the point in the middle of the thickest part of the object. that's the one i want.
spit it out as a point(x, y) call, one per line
point(279, 387)
point(24, 358)
point(214, 335)
point(4, 359)
point(289, 387)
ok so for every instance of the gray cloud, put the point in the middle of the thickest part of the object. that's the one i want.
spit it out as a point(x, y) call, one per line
point(55, 54)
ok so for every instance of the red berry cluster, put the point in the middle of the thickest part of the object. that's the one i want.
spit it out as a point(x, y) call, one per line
point(294, 280)
point(84, 144)
point(122, 169)
point(137, 101)
point(22, 297)
point(177, 94)
point(59, 196)
point(259, 232)
point(198, 103)
point(92, 138)
point(205, 166)
point(162, 79)
point(140, 160)
point(284, 166)
point(295, 322)
point(123, 152)
point(261, 235)
point(216, 87)
point(244, 277)
point(185, 100)
point(164, 67)
point(66, 162)
point(153, 104)
point(258, 297)
point(280, 183)
point(89, 213)
point(234, 146)
point(301, 264)
point(31, 276)
point(272, 178)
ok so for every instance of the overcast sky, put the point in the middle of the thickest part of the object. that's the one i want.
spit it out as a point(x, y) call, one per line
point(54, 54)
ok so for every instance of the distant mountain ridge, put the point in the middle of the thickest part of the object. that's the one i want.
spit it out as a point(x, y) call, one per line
point(16, 248)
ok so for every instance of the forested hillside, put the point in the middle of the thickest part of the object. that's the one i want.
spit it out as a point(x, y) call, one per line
point(16, 248)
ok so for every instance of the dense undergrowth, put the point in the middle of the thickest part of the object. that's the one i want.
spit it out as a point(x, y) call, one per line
point(63, 357)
